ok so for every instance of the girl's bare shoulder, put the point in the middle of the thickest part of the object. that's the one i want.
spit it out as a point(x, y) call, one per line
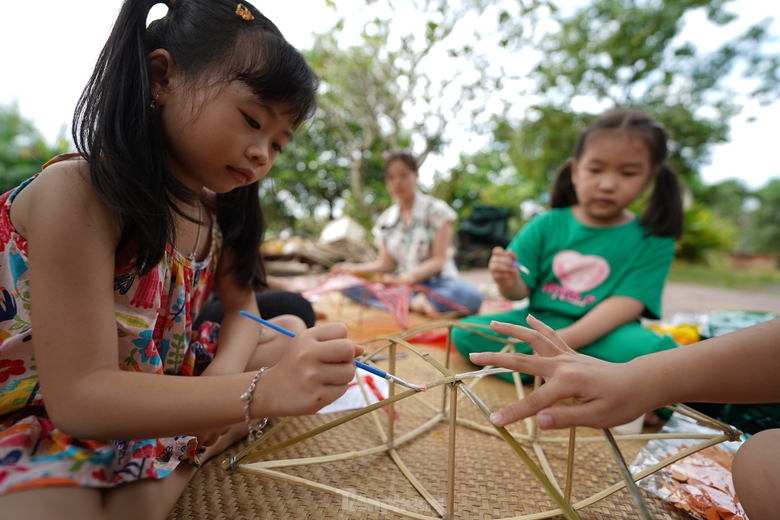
point(62, 195)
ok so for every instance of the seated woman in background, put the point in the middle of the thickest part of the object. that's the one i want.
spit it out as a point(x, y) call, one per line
point(414, 240)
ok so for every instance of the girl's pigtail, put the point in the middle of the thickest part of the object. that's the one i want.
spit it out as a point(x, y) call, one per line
point(243, 233)
point(664, 214)
point(116, 132)
point(563, 194)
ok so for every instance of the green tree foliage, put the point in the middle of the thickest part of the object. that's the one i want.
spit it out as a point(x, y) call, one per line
point(22, 148)
point(312, 178)
point(520, 162)
point(726, 199)
point(765, 228)
point(703, 234)
point(387, 93)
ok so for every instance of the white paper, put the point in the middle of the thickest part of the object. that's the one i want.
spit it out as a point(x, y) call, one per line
point(353, 398)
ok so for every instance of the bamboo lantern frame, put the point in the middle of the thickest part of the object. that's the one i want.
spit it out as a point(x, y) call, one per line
point(246, 461)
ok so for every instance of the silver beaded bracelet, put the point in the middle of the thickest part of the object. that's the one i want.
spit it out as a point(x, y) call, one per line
point(255, 430)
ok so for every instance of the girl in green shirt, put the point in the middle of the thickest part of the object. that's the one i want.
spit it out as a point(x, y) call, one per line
point(594, 267)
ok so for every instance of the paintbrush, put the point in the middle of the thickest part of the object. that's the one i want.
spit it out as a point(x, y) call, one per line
point(520, 266)
point(364, 366)
point(476, 374)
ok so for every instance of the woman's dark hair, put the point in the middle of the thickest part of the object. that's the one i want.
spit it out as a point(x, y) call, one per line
point(117, 130)
point(664, 213)
point(405, 158)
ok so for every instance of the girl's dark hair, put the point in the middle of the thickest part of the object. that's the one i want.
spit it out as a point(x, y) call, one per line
point(405, 158)
point(664, 213)
point(117, 130)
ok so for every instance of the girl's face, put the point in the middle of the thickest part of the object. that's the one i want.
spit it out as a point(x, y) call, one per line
point(223, 137)
point(401, 180)
point(611, 172)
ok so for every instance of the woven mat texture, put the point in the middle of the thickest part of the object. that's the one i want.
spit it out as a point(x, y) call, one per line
point(491, 482)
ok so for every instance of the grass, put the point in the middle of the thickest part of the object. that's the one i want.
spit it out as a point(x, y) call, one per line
point(720, 273)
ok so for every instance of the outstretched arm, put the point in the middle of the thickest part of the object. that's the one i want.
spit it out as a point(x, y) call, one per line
point(383, 264)
point(601, 320)
point(740, 367)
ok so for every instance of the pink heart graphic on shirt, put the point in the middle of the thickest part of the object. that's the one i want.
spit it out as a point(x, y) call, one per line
point(580, 272)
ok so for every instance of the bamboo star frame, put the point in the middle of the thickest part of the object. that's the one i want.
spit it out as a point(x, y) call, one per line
point(446, 410)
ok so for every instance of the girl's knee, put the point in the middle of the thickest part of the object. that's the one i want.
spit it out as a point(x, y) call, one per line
point(293, 323)
point(469, 297)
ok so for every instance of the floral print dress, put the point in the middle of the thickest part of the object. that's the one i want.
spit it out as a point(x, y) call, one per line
point(154, 314)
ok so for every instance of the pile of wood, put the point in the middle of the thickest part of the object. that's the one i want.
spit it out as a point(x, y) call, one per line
point(341, 240)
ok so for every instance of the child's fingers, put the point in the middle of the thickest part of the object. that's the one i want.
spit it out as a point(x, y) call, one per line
point(327, 331)
point(566, 416)
point(534, 365)
point(337, 374)
point(538, 342)
point(547, 331)
point(540, 399)
point(335, 351)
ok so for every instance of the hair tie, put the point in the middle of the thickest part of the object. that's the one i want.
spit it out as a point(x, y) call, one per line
point(244, 13)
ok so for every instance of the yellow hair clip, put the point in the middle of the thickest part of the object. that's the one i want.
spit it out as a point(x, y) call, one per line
point(244, 13)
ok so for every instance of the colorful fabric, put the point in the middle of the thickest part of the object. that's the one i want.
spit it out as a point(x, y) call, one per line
point(445, 294)
point(410, 244)
point(154, 315)
point(393, 297)
point(573, 268)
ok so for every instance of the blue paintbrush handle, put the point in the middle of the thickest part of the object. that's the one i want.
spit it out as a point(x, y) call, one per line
point(367, 368)
point(520, 266)
point(267, 323)
point(373, 370)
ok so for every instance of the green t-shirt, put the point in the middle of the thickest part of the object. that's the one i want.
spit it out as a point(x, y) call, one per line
point(574, 267)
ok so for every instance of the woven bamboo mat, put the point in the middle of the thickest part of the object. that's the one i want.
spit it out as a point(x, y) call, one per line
point(491, 481)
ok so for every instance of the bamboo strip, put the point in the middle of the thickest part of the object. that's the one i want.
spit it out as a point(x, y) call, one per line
point(374, 417)
point(277, 475)
point(426, 426)
point(540, 476)
point(450, 512)
point(632, 487)
point(545, 464)
point(390, 393)
point(570, 464)
point(250, 449)
point(648, 471)
point(325, 427)
point(416, 483)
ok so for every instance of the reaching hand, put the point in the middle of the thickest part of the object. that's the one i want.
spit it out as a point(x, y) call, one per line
point(313, 372)
point(405, 277)
point(606, 394)
point(501, 268)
